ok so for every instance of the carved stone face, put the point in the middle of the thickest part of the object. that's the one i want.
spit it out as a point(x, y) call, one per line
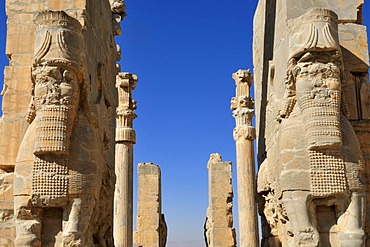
point(56, 96)
point(318, 73)
point(318, 88)
point(55, 86)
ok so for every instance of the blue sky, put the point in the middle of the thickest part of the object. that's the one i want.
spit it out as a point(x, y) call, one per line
point(184, 53)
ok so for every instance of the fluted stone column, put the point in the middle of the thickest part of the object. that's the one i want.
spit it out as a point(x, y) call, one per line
point(244, 134)
point(125, 139)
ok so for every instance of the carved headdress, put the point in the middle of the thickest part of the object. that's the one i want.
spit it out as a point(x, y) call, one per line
point(59, 42)
point(317, 30)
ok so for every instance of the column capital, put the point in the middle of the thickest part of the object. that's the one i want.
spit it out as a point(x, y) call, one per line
point(125, 83)
point(244, 132)
point(243, 82)
point(124, 134)
point(243, 77)
point(242, 105)
point(126, 79)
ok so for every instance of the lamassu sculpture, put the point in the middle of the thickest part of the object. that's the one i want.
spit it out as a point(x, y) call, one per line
point(313, 188)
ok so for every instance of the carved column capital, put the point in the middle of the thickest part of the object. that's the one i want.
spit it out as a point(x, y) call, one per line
point(126, 80)
point(243, 77)
point(244, 132)
point(243, 116)
point(242, 106)
point(125, 83)
point(124, 134)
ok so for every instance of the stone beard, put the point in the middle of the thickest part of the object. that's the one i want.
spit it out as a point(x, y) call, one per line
point(318, 86)
point(56, 97)
point(54, 107)
point(318, 90)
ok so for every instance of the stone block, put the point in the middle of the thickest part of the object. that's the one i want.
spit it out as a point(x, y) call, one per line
point(353, 41)
point(347, 11)
point(19, 43)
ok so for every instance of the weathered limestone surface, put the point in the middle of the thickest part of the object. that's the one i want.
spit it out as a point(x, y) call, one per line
point(151, 228)
point(219, 229)
point(347, 11)
point(125, 139)
point(7, 229)
point(58, 124)
point(242, 106)
point(310, 80)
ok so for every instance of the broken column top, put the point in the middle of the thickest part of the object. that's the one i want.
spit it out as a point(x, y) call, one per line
point(149, 168)
point(215, 157)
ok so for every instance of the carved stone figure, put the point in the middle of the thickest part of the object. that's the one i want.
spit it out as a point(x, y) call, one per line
point(55, 178)
point(313, 187)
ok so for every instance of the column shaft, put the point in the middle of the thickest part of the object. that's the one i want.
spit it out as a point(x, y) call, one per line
point(123, 198)
point(247, 209)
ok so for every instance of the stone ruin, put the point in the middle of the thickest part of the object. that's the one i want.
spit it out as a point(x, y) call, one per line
point(66, 146)
point(58, 125)
point(312, 104)
point(151, 227)
point(218, 228)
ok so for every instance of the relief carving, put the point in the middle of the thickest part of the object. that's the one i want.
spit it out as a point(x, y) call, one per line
point(48, 175)
point(325, 161)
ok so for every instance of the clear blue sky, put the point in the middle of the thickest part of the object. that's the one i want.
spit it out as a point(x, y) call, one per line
point(184, 53)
